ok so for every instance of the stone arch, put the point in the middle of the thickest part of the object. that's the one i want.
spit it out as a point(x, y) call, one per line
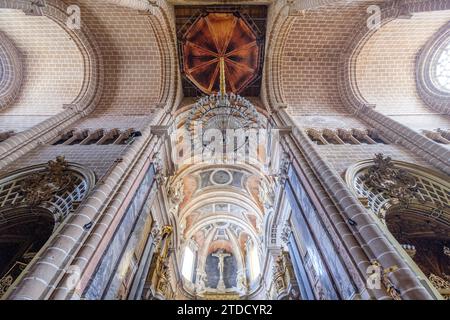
point(89, 92)
point(385, 69)
point(411, 204)
point(11, 71)
point(272, 92)
point(432, 187)
point(193, 201)
point(248, 169)
point(210, 243)
point(214, 217)
point(349, 92)
point(60, 205)
point(163, 24)
point(434, 97)
point(88, 96)
point(38, 197)
point(356, 102)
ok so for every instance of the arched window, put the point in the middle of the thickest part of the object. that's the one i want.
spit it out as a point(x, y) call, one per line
point(412, 206)
point(433, 71)
point(442, 67)
point(188, 263)
point(33, 202)
point(255, 268)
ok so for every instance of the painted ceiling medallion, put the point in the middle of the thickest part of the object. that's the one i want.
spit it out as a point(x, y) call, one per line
point(221, 177)
point(221, 36)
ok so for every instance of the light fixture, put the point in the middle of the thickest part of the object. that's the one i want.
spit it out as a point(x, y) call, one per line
point(222, 111)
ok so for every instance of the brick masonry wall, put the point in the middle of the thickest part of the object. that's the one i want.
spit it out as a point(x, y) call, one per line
point(331, 122)
point(385, 69)
point(340, 157)
point(98, 158)
point(132, 62)
point(132, 71)
point(113, 122)
point(53, 69)
point(311, 56)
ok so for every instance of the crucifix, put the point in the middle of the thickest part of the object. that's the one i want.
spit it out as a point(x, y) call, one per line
point(221, 255)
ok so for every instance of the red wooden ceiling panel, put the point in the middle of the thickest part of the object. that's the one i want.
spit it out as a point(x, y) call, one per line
point(218, 35)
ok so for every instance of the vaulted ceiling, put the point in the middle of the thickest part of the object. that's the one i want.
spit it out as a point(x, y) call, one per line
point(206, 33)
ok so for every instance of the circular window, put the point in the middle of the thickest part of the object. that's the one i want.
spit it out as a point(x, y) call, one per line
point(433, 71)
point(442, 67)
point(1, 72)
point(221, 177)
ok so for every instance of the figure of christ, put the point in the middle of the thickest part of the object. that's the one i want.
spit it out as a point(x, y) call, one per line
point(221, 255)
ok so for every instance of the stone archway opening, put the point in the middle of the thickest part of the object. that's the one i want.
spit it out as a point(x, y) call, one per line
point(425, 235)
point(23, 232)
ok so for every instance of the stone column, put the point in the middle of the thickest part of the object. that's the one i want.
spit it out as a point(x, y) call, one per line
point(356, 227)
point(77, 247)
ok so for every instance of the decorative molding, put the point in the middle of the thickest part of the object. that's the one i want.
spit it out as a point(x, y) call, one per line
point(390, 288)
point(280, 23)
point(434, 96)
point(158, 164)
point(47, 186)
point(286, 233)
point(41, 187)
point(386, 178)
point(163, 24)
point(84, 103)
point(160, 281)
point(336, 205)
point(434, 153)
point(52, 191)
point(283, 277)
point(425, 191)
point(438, 136)
point(11, 71)
point(442, 285)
